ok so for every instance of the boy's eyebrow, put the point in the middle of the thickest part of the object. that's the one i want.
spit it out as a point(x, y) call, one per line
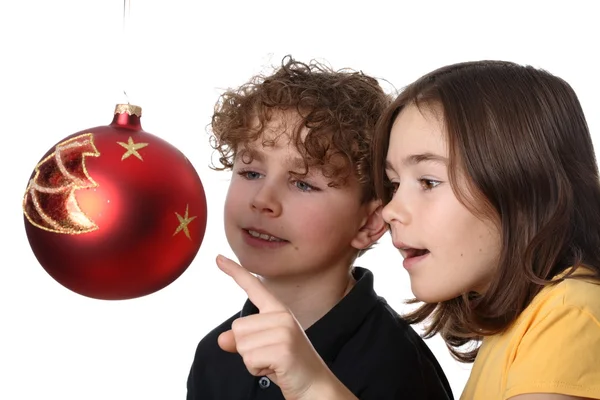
point(292, 162)
point(252, 152)
point(296, 162)
point(415, 159)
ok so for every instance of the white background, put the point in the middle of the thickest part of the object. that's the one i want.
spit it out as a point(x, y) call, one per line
point(64, 65)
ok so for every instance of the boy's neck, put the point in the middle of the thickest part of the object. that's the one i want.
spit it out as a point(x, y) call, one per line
point(310, 297)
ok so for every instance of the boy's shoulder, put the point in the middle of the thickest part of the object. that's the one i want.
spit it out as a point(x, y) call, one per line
point(393, 323)
point(215, 373)
point(209, 343)
point(388, 335)
point(392, 331)
point(387, 358)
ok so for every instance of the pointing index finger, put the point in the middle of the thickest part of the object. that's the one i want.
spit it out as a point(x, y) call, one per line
point(257, 293)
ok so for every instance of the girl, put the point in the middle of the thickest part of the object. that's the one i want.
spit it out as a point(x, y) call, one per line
point(492, 194)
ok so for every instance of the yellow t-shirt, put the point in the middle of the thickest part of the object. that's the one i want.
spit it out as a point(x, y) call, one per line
point(553, 347)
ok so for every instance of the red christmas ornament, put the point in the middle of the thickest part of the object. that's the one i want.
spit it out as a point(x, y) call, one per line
point(114, 212)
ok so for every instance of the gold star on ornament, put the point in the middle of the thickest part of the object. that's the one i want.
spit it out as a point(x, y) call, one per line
point(132, 148)
point(184, 222)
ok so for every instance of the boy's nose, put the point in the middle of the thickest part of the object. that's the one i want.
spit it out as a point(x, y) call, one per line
point(266, 201)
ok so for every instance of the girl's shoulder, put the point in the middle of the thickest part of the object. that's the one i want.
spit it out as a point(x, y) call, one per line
point(553, 346)
point(578, 292)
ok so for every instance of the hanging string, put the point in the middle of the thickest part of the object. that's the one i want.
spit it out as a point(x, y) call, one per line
point(126, 40)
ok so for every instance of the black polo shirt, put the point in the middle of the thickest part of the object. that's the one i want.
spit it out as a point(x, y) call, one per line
point(375, 353)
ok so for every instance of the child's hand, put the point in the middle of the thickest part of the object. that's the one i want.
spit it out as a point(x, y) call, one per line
point(272, 343)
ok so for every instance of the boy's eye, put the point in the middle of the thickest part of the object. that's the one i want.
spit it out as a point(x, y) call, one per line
point(250, 175)
point(428, 184)
point(303, 186)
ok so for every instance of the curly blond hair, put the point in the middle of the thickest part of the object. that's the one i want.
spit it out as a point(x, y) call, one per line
point(339, 110)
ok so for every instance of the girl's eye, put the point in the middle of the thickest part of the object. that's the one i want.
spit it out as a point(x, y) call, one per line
point(303, 186)
point(391, 187)
point(428, 184)
point(250, 175)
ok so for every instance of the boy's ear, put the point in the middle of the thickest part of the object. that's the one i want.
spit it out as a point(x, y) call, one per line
point(373, 226)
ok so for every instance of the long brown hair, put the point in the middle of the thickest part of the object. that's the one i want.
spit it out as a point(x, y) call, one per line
point(520, 137)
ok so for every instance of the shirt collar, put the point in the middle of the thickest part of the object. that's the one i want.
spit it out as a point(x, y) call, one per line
point(334, 329)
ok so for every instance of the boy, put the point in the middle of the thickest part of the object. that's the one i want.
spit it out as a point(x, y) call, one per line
point(300, 209)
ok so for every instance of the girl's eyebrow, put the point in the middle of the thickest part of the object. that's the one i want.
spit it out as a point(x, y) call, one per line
point(425, 157)
point(415, 159)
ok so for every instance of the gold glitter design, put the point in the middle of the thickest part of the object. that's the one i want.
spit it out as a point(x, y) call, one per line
point(128, 109)
point(49, 202)
point(184, 222)
point(132, 148)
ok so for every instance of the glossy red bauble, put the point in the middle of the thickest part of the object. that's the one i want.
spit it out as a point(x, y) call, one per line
point(114, 212)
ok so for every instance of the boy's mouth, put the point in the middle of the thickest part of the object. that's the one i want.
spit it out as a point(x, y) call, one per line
point(264, 236)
